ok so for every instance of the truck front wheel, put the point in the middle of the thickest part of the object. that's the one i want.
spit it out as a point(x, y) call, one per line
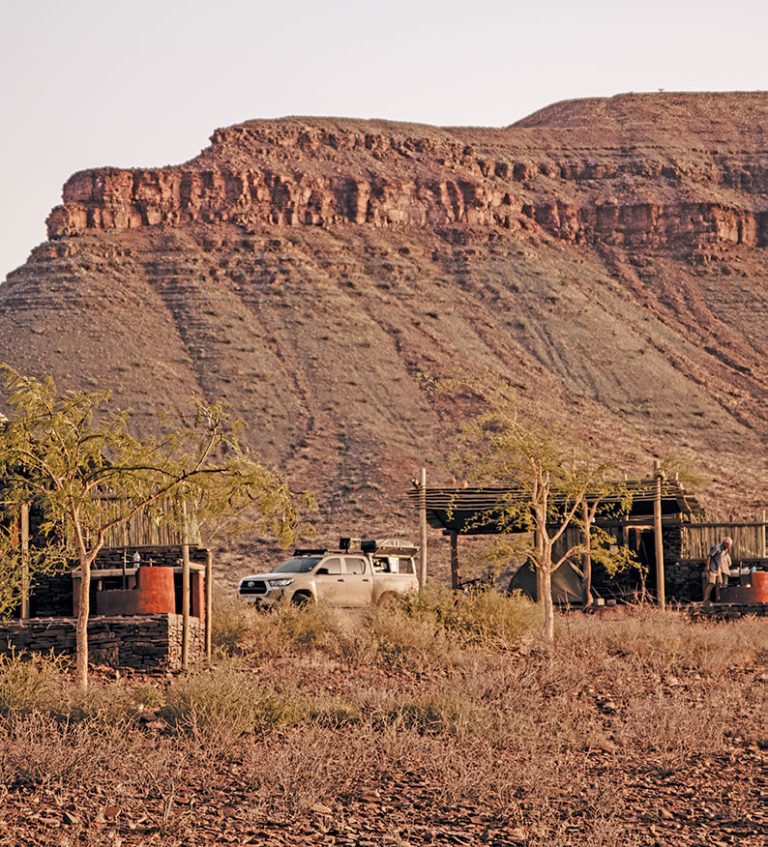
point(301, 598)
point(387, 600)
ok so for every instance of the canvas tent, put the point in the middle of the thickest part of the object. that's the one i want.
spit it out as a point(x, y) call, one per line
point(567, 586)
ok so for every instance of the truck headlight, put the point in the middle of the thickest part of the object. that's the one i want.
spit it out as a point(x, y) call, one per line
point(279, 583)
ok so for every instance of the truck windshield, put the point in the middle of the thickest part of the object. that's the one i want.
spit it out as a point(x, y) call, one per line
point(298, 564)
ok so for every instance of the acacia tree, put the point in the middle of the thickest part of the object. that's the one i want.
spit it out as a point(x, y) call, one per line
point(550, 482)
point(68, 450)
point(14, 570)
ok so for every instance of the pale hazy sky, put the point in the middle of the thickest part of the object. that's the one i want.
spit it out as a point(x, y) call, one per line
point(97, 82)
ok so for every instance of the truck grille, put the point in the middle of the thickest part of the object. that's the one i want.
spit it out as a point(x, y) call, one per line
point(253, 586)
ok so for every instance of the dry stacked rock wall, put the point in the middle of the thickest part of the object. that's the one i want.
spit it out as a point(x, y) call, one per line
point(150, 642)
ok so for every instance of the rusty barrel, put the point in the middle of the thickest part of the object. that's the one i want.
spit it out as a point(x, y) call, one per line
point(754, 589)
point(155, 591)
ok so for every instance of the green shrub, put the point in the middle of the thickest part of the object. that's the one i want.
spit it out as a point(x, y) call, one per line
point(104, 704)
point(407, 634)
point(225, 702)
point(479, 618)
point(491, 619)
point(287, 629)
point(39, 683)
point(307, 626)
point(239, 628)
point(335, 713)
point(145, 696)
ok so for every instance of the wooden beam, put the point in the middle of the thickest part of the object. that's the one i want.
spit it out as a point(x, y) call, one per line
point(661, 593)
point(668, 520)
point(762, 539)
point(104, 573)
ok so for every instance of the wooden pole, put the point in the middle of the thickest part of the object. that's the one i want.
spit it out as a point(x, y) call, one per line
point(658, 538)
point(125, 556)
point(587, 555)
point(422, 528)
point(185, 592)
point(24, 531)
point(455, 567)
point(208, 604)
point(762, 538)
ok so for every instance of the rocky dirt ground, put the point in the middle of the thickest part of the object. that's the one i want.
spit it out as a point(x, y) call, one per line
point(713, 800)
point(648, 731)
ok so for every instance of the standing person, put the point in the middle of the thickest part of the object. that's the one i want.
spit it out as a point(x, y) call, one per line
point(718, 567)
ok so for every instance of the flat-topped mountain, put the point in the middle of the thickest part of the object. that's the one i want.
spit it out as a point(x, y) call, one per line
point(607, 257)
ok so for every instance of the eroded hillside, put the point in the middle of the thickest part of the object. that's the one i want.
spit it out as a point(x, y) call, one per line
point(607, 257)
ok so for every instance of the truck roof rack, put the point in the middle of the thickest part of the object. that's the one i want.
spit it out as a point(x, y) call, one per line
point(388, 547)
point(371, 546)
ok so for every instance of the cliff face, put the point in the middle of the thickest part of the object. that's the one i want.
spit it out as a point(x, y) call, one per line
point(589, 183)
point(112, 199)
point(607, 257)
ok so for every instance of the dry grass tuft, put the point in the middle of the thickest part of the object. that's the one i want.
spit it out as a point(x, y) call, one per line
point(29, 682)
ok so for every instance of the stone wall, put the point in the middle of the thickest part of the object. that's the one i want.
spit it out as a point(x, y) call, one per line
point(151, 642)
point(51, 596)
point(728, 611)
point(684, 579)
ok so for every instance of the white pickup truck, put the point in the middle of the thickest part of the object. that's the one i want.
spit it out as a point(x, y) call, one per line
point(357, 574)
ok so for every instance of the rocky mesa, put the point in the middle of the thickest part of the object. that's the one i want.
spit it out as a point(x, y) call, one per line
point(606, 257)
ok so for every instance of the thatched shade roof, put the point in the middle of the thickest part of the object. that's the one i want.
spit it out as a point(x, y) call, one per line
point(471, 511)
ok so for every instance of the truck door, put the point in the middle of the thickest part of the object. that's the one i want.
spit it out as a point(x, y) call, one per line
point(329, 581)
point(358, 585)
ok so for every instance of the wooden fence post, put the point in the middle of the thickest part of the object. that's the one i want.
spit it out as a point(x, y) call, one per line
point(587, 555)
point(185, 592)
point(24, 533)
point(422, 528)
point(208, 605)
point(658, 538)
point(455, 567)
